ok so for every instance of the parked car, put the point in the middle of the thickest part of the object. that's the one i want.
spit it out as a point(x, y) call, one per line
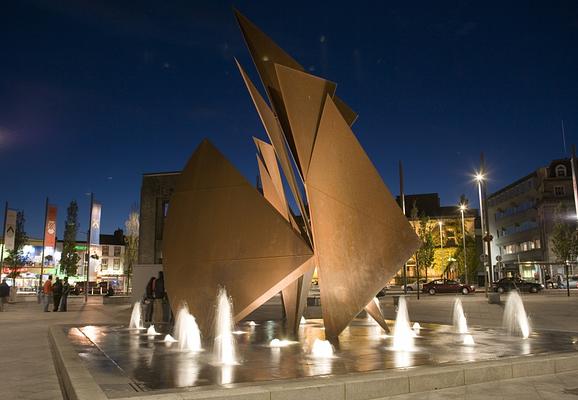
point(508, 284)
point(382, 291)
point(572, 283)
point(447, 286)
point(413, 286)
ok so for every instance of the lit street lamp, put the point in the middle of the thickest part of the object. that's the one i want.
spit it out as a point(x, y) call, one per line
point(486, 237)
point(463, 208)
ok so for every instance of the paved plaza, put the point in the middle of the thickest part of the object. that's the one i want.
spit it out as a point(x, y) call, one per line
point(27, 369)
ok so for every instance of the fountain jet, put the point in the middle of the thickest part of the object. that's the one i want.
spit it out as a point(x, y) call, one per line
point(187, 331)
point(136, 317)
point(460, 322)
point(515, 318)
point(224, 350)
point(322, 349)
point(403, 335)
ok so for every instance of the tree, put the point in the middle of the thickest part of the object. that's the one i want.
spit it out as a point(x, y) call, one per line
point(131, 243)
point(70, 258)
point(564, 238)
point(425, 254)
point(16, 258)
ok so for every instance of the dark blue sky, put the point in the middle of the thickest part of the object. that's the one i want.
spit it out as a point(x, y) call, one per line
point(93, 94)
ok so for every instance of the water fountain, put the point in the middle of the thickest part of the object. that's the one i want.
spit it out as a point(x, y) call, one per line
point(151, 331)
point(403, 335)
point(515, 319)
point(322, 349)
point(460, 322)
point(136, 317)
point(169, 339)
point(224, 348)
point(186, 330)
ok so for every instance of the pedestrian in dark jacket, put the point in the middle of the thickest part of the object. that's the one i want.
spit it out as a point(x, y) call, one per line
point(149, 298)
point(57, 293)
point(4, 294)
point(65, 292)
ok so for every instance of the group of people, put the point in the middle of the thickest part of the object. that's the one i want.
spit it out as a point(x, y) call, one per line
point(55, 294)
point(156, 303)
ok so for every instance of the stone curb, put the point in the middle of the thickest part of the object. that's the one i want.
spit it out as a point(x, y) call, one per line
point(75, 380)
point(79, 384)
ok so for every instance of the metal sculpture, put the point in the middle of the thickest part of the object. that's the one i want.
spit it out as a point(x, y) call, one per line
point(221, 231)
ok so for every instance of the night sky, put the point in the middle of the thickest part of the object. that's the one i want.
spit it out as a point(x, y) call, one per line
point(94, 94)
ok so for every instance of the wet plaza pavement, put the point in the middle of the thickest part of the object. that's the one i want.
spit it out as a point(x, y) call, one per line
point(118, 357)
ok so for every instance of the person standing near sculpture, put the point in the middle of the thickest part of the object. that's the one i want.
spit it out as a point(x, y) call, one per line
point(47, 293)
point(65, 292)
point(149, 299)
point(159, 299)
point(56, 293)
point(4, 294)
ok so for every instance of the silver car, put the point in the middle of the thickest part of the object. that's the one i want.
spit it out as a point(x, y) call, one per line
point(413, 286)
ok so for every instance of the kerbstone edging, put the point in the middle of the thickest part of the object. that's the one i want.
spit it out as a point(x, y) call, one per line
point(79, 384)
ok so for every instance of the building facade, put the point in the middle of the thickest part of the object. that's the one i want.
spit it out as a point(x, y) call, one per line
point(106, 263)
point(522, 216)
point(445, 224)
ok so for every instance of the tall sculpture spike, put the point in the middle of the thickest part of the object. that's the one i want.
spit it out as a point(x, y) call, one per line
point(303, 96)
point(276, 137)
point(361, 236)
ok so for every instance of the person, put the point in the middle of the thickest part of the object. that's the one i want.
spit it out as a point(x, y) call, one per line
point(4, 294)
point(109, 291)
point(148, 299)
point(65, 292)
point(47, 293)
point(159, 298)
point(56, 293)
point(559, 282)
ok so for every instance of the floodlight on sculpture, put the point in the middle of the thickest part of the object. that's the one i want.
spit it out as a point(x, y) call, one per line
point(222, 232)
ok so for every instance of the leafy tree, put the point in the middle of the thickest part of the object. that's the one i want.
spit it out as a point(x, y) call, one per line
point(564, 238)
point(16, 258)
point(131, 243)
point(70, 258)
point(425, 254)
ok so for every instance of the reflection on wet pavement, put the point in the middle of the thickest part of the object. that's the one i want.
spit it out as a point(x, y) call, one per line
point(116, 355)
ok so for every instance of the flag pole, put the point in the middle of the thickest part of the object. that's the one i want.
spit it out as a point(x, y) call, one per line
point(88, 247)
point(3, 239)
point(43, 243)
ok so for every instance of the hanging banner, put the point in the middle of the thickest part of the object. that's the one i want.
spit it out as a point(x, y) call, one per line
point(10, 231)
point(50, 228)
point(95, 224)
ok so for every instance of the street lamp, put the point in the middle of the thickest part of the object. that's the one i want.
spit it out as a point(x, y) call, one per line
point(480, 178)
point(463, 208)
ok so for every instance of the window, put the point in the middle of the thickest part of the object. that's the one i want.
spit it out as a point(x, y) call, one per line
point(117, 251)
point(560, 170)
point(105, 250)
point(558, 190)
point(116, 264)
point(510, 249)
point(104, 264)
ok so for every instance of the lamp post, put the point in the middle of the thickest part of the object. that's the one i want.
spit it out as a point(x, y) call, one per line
point(440, 223)
point(463, 208)
point(479, 179)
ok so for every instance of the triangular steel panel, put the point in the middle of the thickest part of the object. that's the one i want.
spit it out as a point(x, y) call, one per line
point(361, 236)
point(220, 231)
point(276, 137)
point(348, 114)
point(270, 191)
point(374, 311)
point(303, 96)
